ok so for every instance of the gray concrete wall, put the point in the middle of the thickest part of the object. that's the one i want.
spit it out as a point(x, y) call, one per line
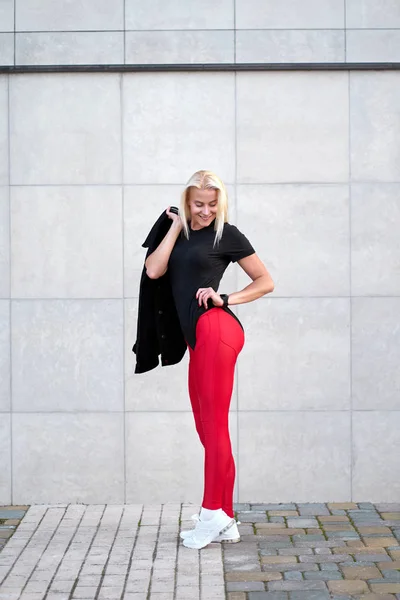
point(312, 164)
point(45, 32)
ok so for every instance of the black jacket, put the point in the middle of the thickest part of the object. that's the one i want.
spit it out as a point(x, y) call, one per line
point(158, 327)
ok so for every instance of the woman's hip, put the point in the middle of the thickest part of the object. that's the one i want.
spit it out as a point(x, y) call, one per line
point(218, 326)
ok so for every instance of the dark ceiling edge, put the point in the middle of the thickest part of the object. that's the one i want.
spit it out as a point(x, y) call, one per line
point(364, 66)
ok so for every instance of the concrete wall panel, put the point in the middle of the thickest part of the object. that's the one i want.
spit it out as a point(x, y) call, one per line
point(286, 455)
point(67, 355)
point(179, 15)
point(79, 457)
point(375, 353)
point(168, 121)
point(288, 46)
point(66, 242)
point(65, 129)
point(5, 453)
point(310, 14)
point(73, 15)
point(283, 133)
point(296, 355)
point(70, 48)
point(375, 126)
point(5, 359)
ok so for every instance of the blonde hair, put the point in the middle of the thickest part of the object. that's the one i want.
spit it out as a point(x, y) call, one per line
point(205, 180)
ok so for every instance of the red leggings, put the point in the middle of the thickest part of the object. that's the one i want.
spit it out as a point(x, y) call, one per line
point(219, 339)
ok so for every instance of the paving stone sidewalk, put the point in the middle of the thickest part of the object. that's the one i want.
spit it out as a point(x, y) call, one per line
point(309, 551)
point(10, 518)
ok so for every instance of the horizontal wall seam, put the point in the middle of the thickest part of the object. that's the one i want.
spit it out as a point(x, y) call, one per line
point(120, 298)
point(201, 29)
point(189, 412)
point(315, 183)
point(143, 68)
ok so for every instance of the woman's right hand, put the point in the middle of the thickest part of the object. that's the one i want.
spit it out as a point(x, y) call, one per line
point(174, 218)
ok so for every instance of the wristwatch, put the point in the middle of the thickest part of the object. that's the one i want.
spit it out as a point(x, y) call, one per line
point(225, 298)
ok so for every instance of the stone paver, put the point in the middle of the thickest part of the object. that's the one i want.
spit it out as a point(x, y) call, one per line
point(337, 551)
point(348, 587)
point(10, 518)
point(361, 572)
point(316, 551)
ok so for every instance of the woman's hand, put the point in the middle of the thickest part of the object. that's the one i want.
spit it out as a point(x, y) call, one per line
point(176, 220)
point(203, 294)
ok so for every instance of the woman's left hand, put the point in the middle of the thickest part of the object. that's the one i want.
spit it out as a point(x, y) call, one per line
point(203, 294)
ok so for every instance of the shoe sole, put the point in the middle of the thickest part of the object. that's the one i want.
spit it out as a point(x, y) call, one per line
point(227, 540)
point(220, 539)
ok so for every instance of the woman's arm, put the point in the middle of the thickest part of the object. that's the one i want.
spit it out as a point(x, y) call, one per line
point(262, 284)
point(262, 281)
point(157, 262)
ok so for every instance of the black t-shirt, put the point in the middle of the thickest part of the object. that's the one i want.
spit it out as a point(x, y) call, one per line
point(194, 263)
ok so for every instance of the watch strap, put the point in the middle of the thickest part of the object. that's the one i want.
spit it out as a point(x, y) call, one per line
point(225, 299)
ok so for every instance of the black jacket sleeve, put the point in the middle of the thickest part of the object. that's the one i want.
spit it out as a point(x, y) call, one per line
point(158, 328)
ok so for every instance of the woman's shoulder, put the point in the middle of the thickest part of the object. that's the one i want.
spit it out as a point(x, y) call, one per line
point(230, 229)
point(235, 242)
point(229, 226)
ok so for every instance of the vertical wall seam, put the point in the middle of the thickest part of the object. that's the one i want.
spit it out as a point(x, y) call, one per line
point(234, 31)
point(236, 280)
point(15, 32)
point(124, 32)
point(345, 31)
point(9, 281)
point(121, 87)
point(350, 293)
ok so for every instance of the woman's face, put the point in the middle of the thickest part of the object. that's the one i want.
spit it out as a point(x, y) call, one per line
point(203, 207)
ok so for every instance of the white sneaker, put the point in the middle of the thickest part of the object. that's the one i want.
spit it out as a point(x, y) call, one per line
point(231, 536)
point(206, 532)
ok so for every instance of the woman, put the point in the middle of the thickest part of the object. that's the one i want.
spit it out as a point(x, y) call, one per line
point(197, 249)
